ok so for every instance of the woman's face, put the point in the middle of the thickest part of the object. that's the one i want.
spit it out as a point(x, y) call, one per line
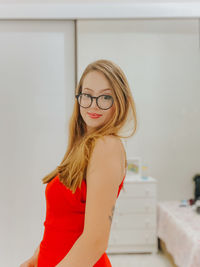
point(95, 84)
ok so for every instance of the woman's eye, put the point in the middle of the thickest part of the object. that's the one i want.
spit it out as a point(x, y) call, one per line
point(107, 96)
point(86, 94)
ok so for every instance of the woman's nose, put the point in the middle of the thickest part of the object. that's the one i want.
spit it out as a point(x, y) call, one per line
point(94, 103)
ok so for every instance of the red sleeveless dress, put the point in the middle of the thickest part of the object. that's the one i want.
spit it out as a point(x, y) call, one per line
point(64, 223)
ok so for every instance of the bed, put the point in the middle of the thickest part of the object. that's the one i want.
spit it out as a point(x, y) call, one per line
point(178, 231)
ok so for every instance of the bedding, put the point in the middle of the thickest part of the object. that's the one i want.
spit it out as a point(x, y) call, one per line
point(179, 228)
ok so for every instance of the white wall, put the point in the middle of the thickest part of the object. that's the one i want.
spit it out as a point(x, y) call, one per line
point(37, 70)
point(36, 98)
point(160, 58)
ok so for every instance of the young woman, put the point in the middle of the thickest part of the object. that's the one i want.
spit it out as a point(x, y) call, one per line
point(81, 192)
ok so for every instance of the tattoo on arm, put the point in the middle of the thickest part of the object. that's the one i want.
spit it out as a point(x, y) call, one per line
point(110, 217)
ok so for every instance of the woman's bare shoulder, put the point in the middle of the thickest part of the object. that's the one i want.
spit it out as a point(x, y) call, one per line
point(107, 143)
point(112, 148)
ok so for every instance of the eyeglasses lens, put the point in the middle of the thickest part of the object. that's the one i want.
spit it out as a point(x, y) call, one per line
point(104, 101)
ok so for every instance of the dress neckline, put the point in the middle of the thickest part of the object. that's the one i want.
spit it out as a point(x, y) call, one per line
point(123, 179)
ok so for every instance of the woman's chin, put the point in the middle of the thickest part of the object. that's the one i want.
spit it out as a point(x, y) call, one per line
point(91, 128)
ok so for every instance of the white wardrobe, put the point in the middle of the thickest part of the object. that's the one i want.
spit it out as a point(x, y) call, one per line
point(37, 69)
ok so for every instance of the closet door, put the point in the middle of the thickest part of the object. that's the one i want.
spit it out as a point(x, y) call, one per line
point(37, 70)
point(160, 58)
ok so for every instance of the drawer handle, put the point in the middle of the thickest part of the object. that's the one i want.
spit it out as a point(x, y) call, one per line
point(147, 238)
point(147, 223)
point(115, 223)
point(147, 191)
point(147, 208)
point(114, 238)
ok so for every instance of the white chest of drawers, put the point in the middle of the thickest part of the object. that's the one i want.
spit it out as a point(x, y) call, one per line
point(133, 228)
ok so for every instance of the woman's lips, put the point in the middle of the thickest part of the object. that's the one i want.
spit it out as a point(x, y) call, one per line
point(94, 115)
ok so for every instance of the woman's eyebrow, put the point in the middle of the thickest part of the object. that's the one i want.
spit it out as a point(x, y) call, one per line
point(99, 90)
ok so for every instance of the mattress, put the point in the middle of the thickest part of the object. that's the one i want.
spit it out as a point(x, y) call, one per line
point(179, 228)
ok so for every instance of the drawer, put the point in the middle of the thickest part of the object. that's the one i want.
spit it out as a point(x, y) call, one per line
point(134, 221)
point(138, 190)
point(132, 205)
point(132, 237)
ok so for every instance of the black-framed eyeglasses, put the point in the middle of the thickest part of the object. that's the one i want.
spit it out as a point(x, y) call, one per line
point(102, 101)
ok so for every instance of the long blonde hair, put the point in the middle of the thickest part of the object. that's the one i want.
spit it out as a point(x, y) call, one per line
point(72, 169)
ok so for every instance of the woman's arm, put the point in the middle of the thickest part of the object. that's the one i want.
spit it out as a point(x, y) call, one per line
point(32, 261)
point(104, 173)
point(85, 252)
point(35, 255)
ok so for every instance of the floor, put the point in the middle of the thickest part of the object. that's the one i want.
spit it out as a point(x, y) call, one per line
point(139, 260)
